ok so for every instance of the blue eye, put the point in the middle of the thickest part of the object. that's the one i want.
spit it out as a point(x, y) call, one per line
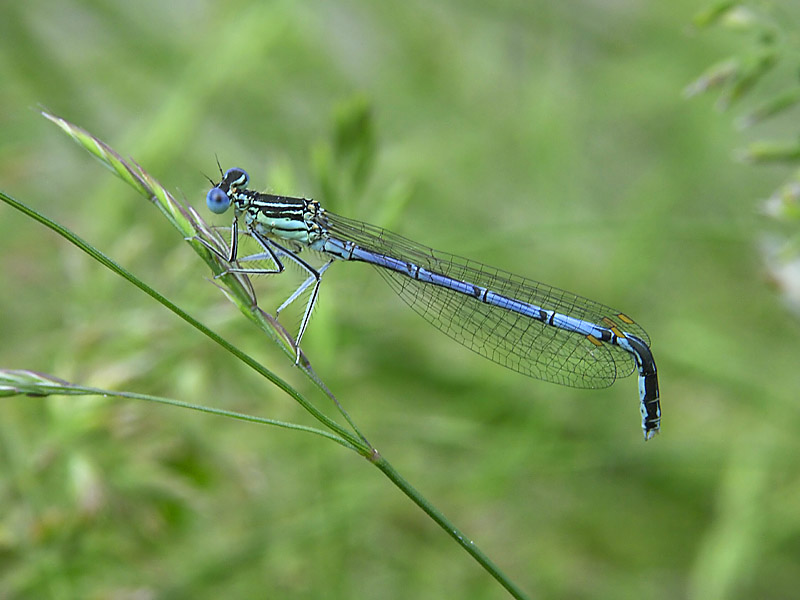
point(236, 177)
point(217, 201)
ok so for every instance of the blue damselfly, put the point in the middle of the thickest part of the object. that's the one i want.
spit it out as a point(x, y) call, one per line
point(527, 326)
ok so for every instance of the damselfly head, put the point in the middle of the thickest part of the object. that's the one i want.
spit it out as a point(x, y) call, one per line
point(218, 198)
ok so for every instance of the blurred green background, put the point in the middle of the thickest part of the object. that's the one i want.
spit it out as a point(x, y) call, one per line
point(548, 139)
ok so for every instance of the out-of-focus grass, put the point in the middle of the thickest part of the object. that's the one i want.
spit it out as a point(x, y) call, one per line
point(547, 139)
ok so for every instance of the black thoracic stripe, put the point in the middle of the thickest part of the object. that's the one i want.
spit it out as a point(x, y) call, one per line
point(277, 206)
point(280, 211)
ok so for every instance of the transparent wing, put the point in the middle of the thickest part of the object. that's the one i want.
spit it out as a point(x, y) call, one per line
point(513, 340)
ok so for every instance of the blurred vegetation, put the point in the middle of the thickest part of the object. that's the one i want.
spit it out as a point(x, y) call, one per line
point(762, 75)
point(549, 139)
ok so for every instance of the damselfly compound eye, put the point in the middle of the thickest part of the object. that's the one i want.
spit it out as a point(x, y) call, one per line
point(217, 200)
point(236, 177)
